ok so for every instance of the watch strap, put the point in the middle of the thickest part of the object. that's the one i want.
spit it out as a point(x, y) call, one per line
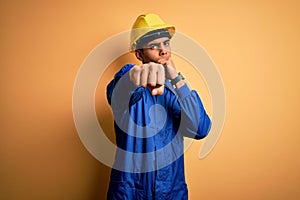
point(178, 78)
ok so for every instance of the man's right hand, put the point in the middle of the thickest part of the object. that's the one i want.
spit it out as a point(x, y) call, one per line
point(150, 75)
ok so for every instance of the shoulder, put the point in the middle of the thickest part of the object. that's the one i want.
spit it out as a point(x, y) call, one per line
point(124, 70)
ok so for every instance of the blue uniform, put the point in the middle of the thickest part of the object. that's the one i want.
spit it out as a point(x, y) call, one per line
point(149, 162)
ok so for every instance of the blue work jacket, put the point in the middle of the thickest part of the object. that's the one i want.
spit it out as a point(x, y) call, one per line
point(149, 161)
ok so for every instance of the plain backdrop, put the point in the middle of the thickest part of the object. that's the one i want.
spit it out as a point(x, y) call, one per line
point(254, 44)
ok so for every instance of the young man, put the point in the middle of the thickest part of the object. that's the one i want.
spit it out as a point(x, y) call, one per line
point(153, 110)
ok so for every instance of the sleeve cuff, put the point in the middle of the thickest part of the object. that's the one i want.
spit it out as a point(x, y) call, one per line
point(183, 91)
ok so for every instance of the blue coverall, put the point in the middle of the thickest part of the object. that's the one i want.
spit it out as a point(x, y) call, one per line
point(158, 175)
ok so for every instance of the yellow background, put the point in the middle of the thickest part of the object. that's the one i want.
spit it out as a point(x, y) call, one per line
point(255, 45)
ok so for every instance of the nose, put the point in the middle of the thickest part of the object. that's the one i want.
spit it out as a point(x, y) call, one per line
point(163, 51)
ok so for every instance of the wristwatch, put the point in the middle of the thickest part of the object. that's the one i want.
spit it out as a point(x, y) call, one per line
point(178, 78)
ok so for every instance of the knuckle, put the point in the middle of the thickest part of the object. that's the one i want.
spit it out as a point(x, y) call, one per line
point(161, 67)
point(151, 67)
point(138, 69)
point(145, 67)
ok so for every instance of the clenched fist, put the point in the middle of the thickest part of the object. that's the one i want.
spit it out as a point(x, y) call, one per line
point(150, 75)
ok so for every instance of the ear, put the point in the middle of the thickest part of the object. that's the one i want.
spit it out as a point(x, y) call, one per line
point(138, 54)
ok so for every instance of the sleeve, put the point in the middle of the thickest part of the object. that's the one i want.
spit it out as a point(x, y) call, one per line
point(120, 88)
point(195, 122)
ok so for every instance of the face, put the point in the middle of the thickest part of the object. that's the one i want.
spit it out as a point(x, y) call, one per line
point(158, 49)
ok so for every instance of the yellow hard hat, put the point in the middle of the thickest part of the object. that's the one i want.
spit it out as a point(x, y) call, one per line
point(147, 23)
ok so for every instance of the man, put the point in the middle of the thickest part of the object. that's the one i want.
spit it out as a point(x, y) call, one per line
point(153, 110)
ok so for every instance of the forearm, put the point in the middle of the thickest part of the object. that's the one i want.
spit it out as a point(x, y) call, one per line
point(122, 91)
point(120, 88)
point(195, 122)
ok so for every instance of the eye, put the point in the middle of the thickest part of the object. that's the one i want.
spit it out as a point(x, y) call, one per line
point(153, 46)
point(167, 43)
